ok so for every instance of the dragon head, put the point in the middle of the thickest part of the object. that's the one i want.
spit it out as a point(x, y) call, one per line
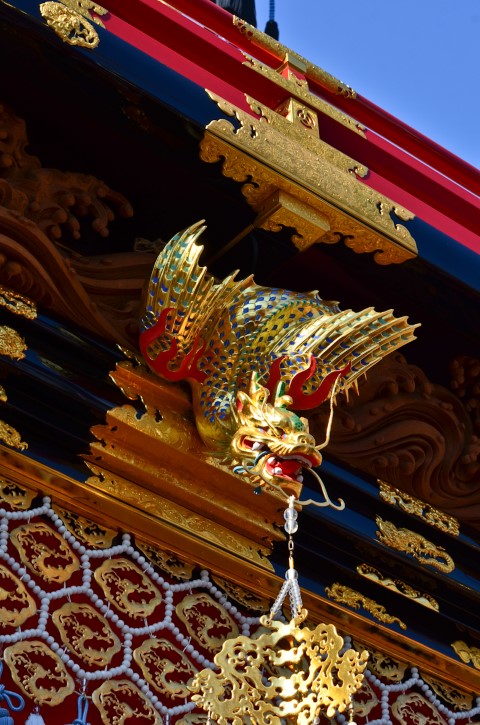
point(271, 443)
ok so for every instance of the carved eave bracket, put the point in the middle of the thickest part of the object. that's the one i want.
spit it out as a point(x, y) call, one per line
point(292, 178)
point(153, 460)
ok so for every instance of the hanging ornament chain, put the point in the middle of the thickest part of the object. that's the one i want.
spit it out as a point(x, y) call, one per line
point(290, 587)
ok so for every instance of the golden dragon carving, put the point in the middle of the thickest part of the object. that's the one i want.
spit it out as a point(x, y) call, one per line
point(251, 353)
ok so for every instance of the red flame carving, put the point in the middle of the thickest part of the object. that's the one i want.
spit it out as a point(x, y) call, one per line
point(188, 368)
point(301, 400)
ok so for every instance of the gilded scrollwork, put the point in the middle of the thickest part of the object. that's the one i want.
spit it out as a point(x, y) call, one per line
point(128, 588)
point(460, 700)
point(167, 561)
point(165, 667)
point(39, 672)
point(345, 595)
point(253, 602)
point(88, 532)
point(411, 505)
point(383, 665)
point(14, 495)
point(207, 622)
point(16, 604)
point(399, 586)
point(467, 653)
point(72, 22)
point(409, 542)
point(18, 304)
point(86, 633)
point(12, 344)
point(120, 700)
point(11, 436)
point(45, 552)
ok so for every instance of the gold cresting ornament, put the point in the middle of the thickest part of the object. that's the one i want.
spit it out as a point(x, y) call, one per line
point(251, 353)
point(288, 673)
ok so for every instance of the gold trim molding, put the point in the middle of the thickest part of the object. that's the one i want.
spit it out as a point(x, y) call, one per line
point(298, 88)
point(292, 178)
point(259, 39)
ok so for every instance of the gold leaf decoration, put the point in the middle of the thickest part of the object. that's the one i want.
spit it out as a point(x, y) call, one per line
point(86, 633)
point(16, 303)
point(119, 701)
point(11, 436)
point(440, 520)
point(385, 666)
point(459, 699)
point(45, 552)
point(39, 672)
point(88, 532)
point(207, 622)
point(355, 600)
point(287, 671)
point(243, 596)
point(14, 495)
point(414, 708)
point(165, 667)
point(70, 23)
point(397, 585)
point(468, 654)
point(16, 604)
point(127, 587)
point(167, 561)
point(409, 542)
point(12, 344)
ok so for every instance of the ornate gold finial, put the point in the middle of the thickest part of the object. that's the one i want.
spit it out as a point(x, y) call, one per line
point(288, 673)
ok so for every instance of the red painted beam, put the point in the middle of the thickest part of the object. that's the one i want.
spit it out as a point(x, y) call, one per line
point(202, 44)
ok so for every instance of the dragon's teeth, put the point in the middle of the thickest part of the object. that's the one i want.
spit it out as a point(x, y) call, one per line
point(300, 479)
point(256, 446)
point(271, 460)
point(277, 471)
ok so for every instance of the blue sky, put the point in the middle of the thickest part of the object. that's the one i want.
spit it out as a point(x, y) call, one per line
point(417, 59)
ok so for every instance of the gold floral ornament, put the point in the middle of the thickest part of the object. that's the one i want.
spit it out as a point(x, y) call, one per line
point(72, 22)
point(288, 673)
point(253, 355)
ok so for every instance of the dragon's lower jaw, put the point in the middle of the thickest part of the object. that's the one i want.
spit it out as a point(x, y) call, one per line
point(284, 471)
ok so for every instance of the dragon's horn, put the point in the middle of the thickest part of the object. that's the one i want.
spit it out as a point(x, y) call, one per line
point(301, 400)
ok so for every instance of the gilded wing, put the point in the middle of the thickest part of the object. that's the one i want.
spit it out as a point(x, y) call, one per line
point(183, 309)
